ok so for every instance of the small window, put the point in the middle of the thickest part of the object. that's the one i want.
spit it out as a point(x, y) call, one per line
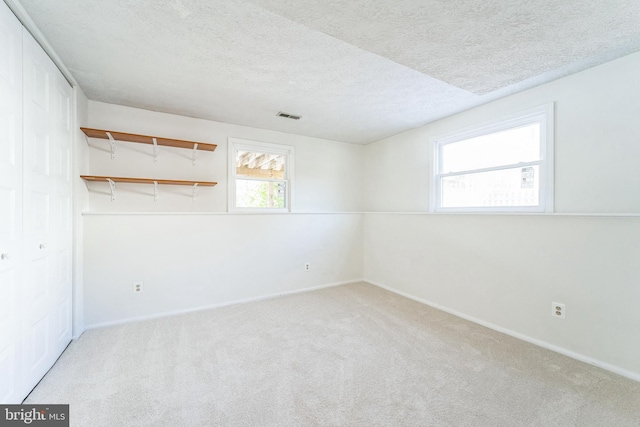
point(505, 166)
point(259, 176)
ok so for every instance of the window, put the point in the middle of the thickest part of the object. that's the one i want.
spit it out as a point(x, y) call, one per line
point(260, 176)
point(505, 166)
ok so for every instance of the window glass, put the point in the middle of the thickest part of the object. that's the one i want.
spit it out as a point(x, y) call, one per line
point(506, 187)
point(510, 146)
point(260, 176)
point(260, 165)
point(503, 166)
point(260, 194)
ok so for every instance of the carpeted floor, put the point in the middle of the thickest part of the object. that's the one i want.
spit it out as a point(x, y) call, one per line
point(352, 355)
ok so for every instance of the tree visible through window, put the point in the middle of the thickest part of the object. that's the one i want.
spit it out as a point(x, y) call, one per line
point(260, 175)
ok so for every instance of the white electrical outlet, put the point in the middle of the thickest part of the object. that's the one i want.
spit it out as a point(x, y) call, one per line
point(138, 287)
point(558, 310)
point(307, 266)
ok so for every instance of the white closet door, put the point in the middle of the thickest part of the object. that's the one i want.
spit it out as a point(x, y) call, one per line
point(11, 259)
point(47, 210)
point(61, 225)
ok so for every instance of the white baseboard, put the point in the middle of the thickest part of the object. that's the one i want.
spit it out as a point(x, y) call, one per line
point(582, 358)
point(212, 306)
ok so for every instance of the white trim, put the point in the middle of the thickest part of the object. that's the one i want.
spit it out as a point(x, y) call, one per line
point(219, 305)
point(508, 121)
point(492, 210)
point(577, 356)
point(543, 114)
point(241, 213)
point(77, 296)
point(538, 214)
point(491, 169)
point(502, 213)
point(234, 144)
point(548, 168)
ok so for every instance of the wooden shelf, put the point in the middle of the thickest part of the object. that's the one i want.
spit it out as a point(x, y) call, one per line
point(155, 182)
point(114, 137)
point(94, 178)
point(146, 139)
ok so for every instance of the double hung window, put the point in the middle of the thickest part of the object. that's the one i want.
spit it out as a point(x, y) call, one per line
point(260, 176)
point(503, 166)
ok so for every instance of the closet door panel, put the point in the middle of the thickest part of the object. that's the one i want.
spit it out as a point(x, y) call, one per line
point(11, 255)
point(62, 204)
point(47, 205)
point(35, 211)
point(10, 369)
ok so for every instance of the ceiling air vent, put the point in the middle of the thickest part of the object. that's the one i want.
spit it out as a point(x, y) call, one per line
point(289, 116)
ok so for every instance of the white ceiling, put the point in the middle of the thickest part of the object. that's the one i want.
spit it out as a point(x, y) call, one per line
point(356, 71)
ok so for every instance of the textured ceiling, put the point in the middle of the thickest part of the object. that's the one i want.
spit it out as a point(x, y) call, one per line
point(480, 45)
point(355, 71)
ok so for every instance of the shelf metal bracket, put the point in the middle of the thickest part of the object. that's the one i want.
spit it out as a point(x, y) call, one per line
point(112, 185)
point(195, 149)
point(113, 145)
point(155, 191)
point(155, 150)
point(193, 196)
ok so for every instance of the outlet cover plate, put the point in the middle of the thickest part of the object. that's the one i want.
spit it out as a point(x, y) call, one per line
point(138, 287)
point(558, 310)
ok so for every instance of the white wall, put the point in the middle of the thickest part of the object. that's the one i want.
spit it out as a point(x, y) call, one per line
point(328, 174)
point(505, 270)
point(195, 255)
point(597, 144)
point(189, 261)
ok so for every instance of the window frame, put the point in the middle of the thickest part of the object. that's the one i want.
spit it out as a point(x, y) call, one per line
point(544, 116)
point(235, 144)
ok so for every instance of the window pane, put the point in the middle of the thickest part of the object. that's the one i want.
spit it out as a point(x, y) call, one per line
point(260, 194)
point(496, 149)
point(260, 165)
point(508, 187)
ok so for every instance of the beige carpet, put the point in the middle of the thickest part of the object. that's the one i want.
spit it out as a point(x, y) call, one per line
point(352, 355)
